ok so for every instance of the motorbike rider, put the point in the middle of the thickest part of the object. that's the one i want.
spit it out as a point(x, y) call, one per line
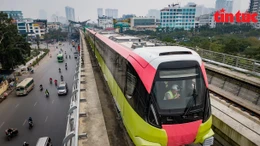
point(69, 56)
point(25, 144)
point(56, 82)
point(59, 70)
point(61, 77)
point(30, 119)
point(41, 87)
point(50, 80)
point(9, 130)
point(46, 92)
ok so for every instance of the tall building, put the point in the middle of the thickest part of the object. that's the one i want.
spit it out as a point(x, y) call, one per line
point(100, 12)
point(236, 5)
point(201, 10)
point(175, 16)
point(254, 7)
point(153, 13)
point(111, 13)
point(229, 6)
point(42, 14)
point(70, 14)
point(16, 15)
point(226, 4)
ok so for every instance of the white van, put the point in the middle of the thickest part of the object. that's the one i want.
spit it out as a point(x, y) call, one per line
point(44, 141)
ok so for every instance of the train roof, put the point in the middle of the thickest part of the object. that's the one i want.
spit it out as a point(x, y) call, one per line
point(147, 59)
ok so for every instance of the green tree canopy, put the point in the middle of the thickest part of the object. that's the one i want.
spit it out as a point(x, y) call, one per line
point(13, 47)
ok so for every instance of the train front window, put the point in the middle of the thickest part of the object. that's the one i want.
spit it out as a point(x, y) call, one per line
point(179, 89)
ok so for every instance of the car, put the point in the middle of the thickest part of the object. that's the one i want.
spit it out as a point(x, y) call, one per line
point(44, 141)
point(63, 88)
point(76, 54)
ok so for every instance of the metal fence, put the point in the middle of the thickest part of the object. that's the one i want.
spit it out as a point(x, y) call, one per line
point(248, 66)
point(71, 137)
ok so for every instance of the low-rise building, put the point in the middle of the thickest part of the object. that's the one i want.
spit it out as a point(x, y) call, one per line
point(16, 15)
point(53, 25)
point(143, 23)
point(32, 28)
point(207, 19)
point(105, 22)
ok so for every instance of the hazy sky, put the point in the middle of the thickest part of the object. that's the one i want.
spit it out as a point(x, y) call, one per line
point(87, 9)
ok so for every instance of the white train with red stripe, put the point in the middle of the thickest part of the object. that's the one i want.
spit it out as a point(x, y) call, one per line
point(161, 92)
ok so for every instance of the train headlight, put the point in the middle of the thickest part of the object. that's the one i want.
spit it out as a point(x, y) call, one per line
point(209, 141)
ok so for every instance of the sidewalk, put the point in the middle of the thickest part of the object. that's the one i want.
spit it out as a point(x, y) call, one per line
point(19, 68)
point(28, 63)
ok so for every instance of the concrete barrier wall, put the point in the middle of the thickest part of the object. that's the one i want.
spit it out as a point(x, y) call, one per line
point(233, 125)
point(230, 135)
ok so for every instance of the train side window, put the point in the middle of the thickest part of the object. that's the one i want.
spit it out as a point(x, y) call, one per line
point(135, 92)
point(130, 84)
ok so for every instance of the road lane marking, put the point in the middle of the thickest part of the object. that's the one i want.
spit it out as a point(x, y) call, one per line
point(52, 102)
point(35, 103)
point(2, 124)
point(24, 122)
point(46, 119)
point(16, 105)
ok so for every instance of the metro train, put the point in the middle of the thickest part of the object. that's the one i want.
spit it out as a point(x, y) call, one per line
point(161, 92)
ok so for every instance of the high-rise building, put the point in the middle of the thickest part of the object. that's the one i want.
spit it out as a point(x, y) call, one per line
point(201, 10)
point(236, 5)
point(70, 14)
point(178, 17)
point(229, 6)
point(254, 7)
point(42, 14)
point(100, 12)
point(225, 4)
point(111, 13)
point(153, 13)
point(16, 15)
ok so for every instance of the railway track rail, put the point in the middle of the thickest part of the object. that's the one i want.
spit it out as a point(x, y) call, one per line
point(245, 108)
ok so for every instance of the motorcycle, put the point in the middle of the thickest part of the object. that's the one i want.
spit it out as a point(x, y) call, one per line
point(59, 70)
point(47, 94)
point(41, 88)
point(50, 81)
point(30, 124)
point(11, 134)
point(66, 68)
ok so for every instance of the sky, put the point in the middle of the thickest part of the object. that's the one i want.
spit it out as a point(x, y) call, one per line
point(87, 9)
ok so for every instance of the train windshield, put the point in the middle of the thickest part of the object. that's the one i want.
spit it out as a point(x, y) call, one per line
point(179, 89)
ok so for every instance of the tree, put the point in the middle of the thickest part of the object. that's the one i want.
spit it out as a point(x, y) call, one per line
point(38, 41)
point(13, 47)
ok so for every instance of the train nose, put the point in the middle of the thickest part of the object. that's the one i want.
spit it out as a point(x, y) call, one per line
point(182, 134)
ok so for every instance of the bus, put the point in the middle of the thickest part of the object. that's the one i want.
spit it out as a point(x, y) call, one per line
point(25, 86)
point(60, 57)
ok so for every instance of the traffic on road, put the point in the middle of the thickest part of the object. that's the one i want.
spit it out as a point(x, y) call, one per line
point(35, 112)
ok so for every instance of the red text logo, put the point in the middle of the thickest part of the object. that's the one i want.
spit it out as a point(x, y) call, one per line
point(221, 16)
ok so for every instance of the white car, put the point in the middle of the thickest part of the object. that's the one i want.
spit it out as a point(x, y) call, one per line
point(63, 88)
